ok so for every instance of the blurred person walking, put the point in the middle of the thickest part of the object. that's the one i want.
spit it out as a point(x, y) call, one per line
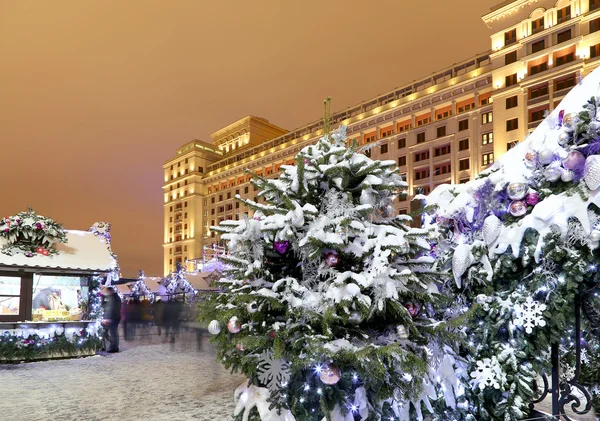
point(111, 318)
point(171, 315)
point(157, 310)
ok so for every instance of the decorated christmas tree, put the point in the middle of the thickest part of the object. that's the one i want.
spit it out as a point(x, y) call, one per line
point(330, 304)
point(522, 244)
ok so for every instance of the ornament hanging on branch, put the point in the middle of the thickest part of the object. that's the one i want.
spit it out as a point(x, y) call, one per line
point(214, 327)
point(402, 332)
point(234, 325)
point(355, 318)
point(413, 308)
point(273, 373)
point(517, 191)
point(330, 374)
point(529, 315)
point(517, 208)
point(252, 307)
point(332, 259)
point(281, 247)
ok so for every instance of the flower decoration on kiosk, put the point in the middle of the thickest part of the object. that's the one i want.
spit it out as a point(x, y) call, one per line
point(30, 234)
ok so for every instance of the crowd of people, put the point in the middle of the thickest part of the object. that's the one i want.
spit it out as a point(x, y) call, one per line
point(138, 316)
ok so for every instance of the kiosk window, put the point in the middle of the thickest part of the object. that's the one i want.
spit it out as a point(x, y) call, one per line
point(10, 295)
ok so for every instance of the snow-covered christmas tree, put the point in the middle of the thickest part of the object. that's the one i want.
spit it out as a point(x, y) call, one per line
point(522, 244)
point(177, 283)
point(331, 305)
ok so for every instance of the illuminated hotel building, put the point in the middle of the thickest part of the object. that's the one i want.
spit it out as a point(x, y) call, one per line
point(444, 128)
point(540, 49)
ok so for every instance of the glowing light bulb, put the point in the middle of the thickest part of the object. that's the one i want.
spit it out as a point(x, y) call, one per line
point(319, 391)
point(306, 388)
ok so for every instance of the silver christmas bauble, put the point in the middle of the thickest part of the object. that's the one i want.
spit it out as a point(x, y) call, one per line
point(252, 307)
point(234, 325)
point(531, 159)
point(552, 174)
point(355, 318)
point(567, 176)
point(545, 156)
point(569, 121)
point(214, 327)
point(517, 191)
point(404, 248)
point(402, 332)
point(563, 138)
point(595, 236)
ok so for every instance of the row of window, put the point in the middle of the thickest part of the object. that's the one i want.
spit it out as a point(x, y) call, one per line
point(564, 82)
point(445, 168)
point(562, 15)
point(177, 249)
point(463, 145)
point(177, 219)
point(178, 207)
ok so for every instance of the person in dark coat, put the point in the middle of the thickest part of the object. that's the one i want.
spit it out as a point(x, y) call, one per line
point(111, 318)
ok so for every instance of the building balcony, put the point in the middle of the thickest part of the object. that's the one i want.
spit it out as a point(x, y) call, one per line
point(538, 100)
point(177, 252)
point(534, 124)
point(561, 93)
point(440, 158)
point(178, 231)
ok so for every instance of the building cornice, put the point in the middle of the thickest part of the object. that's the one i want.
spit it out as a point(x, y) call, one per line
point(505, 9)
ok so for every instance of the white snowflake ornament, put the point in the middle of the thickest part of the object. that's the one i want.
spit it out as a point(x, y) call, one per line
point(272, 372)
point(489, 374)
point(529, 315)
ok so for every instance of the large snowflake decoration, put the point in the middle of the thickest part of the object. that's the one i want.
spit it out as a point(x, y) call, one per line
point(272, 372)
point(529, 314)
point(489, 374)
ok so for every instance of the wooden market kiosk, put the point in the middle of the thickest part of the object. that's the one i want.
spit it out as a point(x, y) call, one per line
point(49, 304)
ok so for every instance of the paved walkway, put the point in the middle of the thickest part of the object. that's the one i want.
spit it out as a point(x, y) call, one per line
point(148, 380)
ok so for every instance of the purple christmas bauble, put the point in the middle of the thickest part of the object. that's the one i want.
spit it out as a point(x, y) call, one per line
point(281, 247)
point(332, 259)
point(532, 198)
point(561, 115)
point(575, 160)
point(413, 308)
point(517, 208)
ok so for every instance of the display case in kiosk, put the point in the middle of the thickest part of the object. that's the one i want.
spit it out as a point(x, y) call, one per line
point(50, 302)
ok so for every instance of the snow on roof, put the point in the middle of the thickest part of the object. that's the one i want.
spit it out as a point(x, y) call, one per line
point(83, 251)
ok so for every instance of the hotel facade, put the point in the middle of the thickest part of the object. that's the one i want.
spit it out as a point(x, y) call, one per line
point(444, 128)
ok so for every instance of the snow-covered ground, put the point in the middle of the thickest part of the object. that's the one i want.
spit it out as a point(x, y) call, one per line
point(149, 380)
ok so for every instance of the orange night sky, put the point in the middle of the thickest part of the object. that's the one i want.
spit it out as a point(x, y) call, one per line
point(95, 95)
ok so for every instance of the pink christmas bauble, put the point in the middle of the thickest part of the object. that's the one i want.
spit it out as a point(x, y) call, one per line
point(332, 259)
point(234, 325)
point(517, 208)
point(331, 374)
